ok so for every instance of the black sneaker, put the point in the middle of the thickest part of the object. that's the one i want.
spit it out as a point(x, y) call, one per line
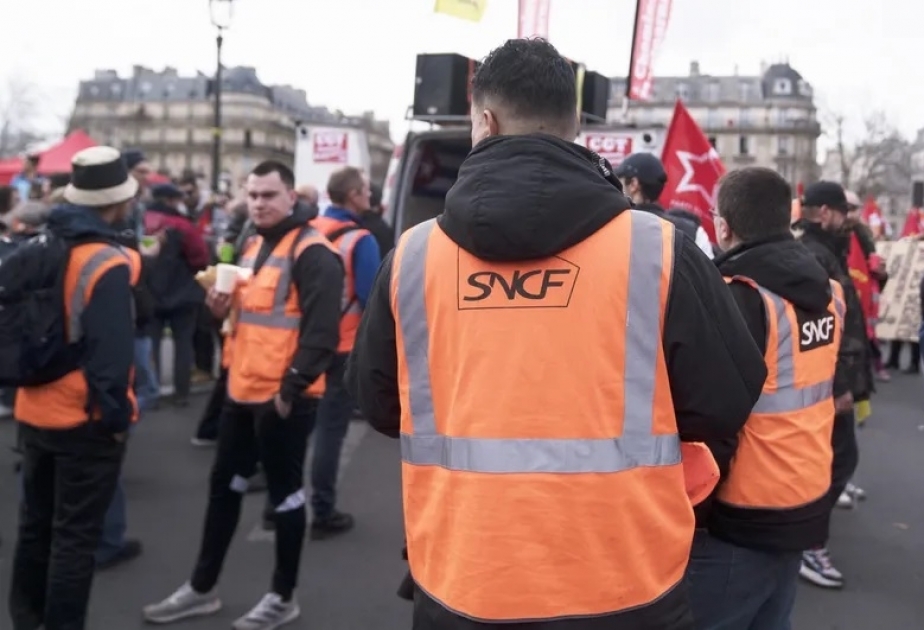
point(269, 518)
point(332, 525)
point(129, 551)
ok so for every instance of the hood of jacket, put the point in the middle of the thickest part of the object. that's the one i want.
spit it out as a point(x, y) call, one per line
point(79, 222)
point(783, 266)
point(529, 197)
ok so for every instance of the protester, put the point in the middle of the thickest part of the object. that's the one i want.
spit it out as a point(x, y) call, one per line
point(28, 183)
point(372, 220)
point(72, 458)
point(643, 178)
point(541, 411)
point(285, 335)
point(772, 501)
point(349, 193)
point(824, 230)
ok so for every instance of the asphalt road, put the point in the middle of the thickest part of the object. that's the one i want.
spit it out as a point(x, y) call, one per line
point(349, 583)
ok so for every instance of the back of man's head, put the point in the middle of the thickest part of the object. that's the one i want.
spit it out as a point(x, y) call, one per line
point(755, 202)
point(526, 86)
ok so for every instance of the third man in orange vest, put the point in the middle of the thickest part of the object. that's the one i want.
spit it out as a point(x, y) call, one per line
point(350, 194)
point(772, 500)
point(542, 350)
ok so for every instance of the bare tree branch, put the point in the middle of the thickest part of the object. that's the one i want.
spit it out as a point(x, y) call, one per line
point(19, 109)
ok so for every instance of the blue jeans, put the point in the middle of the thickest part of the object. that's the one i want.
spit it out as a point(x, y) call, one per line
point(147, 387)
point(113, 537)
point(333, 422)
point(735, 588)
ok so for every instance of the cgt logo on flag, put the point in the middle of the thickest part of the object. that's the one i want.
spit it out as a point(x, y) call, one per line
point(612, 147)
point(330, 147)
point(693, 169)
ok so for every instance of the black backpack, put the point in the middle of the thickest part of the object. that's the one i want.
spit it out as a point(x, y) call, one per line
point(34, 346)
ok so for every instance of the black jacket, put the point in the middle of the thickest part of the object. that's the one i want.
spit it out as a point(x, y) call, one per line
point(686, 225)
point(317, 276)
point(529, 197)
point(785, 267)
point(108, 348)
point(383, 233)
point(854, 367)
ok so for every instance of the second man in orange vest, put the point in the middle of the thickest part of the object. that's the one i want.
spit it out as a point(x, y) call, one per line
point(349, 193)
point(772, 500)
point(286, 319)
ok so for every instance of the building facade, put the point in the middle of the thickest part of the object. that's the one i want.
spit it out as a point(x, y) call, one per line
point(768, 120)
point(171, 117)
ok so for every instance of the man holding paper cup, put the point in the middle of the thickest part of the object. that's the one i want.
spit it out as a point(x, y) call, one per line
point(284, 302)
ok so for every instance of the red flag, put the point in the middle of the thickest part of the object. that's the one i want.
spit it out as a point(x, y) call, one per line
point(651, 18)
point(872, 217)
point(912, 223)
point(534, 19)
point(866, 286)
point(693, 169)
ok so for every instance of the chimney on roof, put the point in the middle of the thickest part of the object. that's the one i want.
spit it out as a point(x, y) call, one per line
point(694, 68)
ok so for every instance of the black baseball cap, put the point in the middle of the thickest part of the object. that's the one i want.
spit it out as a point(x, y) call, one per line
point(829, 194)
point(644, 167)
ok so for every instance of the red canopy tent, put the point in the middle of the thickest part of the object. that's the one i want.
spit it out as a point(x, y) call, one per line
point(54, 159)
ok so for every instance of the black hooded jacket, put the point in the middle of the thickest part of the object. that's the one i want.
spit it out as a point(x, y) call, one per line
point(783, 266)
point(317, 276)
point(531, 197)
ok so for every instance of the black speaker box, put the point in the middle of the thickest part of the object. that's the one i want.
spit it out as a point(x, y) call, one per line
point(917, 194)
point(595, 96)
point(444, 83)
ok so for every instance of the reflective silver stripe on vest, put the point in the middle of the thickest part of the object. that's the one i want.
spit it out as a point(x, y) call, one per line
point(277, 317)
point(349, 305)
point(636, 447)
point(788, 398)
point(78, 298)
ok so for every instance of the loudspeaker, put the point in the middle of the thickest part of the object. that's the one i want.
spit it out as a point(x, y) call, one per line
point(595, 95)
point(917, 195)
point(444, 83)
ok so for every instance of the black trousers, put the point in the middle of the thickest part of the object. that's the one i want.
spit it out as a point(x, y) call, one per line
point(207, 330)
point(211, 416)
point(846, 457)
point(248, 434)
point(182, 323)
point(69, 478)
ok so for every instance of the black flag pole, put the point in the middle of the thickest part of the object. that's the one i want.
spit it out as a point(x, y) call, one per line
point(638, 7)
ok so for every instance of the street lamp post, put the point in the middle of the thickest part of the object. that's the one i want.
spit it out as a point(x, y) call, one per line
point(221, 12)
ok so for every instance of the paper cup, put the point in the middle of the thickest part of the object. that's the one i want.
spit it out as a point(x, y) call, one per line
point(245, 273)
point(226, 277)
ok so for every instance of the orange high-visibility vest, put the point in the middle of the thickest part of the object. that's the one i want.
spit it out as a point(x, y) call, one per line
point(62, 404)
point(784, 454)
point(352, 311)
point(534, 395)
point(265, 336)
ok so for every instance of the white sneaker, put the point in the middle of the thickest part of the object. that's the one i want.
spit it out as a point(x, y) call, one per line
point(183, 604)
point(818, 569)
point(845, 501)
point(858, 493)
point(269, 614)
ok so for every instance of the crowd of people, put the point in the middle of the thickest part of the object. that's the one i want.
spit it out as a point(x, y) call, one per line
point(618, 424)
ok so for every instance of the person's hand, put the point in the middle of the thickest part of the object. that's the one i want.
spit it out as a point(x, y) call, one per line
point(844, 403)
point(283, 409)
point(219, 303)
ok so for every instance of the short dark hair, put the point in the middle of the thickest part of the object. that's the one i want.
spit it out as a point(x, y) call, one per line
point(6, 199)
point(756, 203)
point(272, 166)
point(342, 182)
point(531, 80)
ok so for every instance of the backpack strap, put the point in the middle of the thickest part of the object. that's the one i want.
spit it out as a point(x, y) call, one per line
point(346, 229)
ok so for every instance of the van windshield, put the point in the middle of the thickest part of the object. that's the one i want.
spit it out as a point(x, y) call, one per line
point(432, 168)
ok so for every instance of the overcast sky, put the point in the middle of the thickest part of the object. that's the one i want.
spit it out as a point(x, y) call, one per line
point(353, 55)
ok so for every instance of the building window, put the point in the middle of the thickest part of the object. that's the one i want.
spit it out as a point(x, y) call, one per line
point(782, 87)
point(784, 145)
point(248, 139)
point(145, 87)
point(94, 91)
point(712, 118)
point(744, 91)
point(712, 92)
point(683, 91)
point(805, 89)
point(116, 88)
point(744, 145)
point(744, 117)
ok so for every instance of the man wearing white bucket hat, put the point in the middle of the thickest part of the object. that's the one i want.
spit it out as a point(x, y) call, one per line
point(76, 407)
